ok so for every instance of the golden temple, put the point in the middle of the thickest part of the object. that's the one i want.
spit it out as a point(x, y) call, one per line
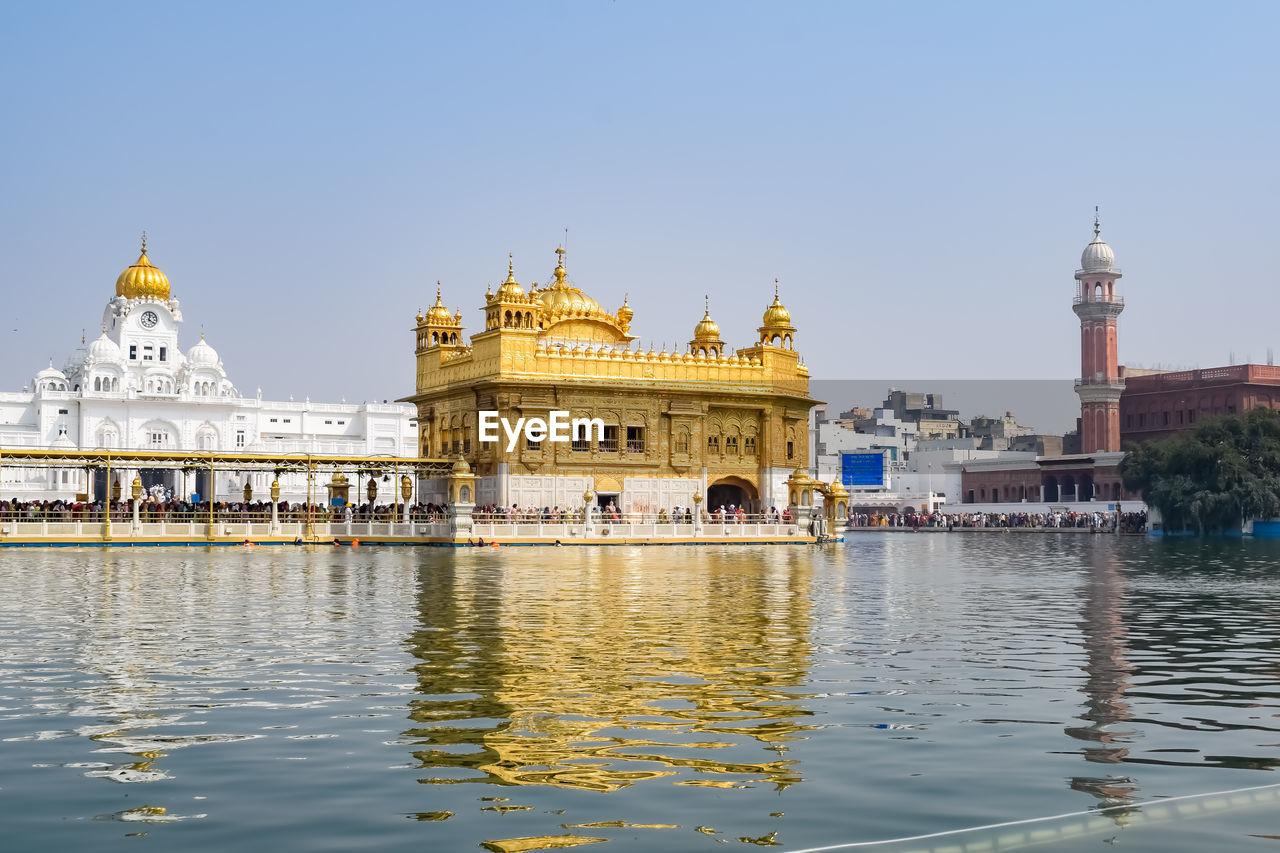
point(729, 427)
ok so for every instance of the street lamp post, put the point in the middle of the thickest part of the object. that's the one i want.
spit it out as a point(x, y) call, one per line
point(136, 491)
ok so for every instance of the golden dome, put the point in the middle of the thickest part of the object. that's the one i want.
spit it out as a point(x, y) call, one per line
point(776, 314)
point(510, 289)
point(143, 280)
point(568, 300)
point(563, 298)
point(706, 330)
point(438, 314)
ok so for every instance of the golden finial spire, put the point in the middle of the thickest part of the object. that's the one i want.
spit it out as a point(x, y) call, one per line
point(202, 331)
point(82, 337)
point(706, 299)
point(775, 290)
point(144, 242)
point(437, 291)
point(511, 265)
point(104, 328)
point(559, 265)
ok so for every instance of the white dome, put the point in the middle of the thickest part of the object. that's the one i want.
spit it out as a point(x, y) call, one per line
point(202, 355)
point(51, 372)
point(1097, 256)
point(75, 361)
point(105, 349)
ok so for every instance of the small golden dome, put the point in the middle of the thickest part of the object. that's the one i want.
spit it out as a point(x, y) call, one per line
point(706, 330)
point(143, 280)
point(510, 289)
point(776, 314)
point(438, 314)
point(625, 313)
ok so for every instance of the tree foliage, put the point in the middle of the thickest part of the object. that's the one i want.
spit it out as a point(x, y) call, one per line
point(1214, 477)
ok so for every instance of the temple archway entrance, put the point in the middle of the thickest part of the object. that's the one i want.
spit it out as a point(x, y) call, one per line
point(734, 491)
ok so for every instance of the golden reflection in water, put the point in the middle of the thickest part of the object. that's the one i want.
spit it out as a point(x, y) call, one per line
point(1107, 671)
point(577, 669)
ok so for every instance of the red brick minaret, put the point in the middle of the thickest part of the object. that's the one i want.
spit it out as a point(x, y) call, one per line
point(1098, 306)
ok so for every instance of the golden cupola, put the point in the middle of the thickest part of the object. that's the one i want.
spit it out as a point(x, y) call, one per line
point(566, 313)
point(625, 314)
point(776, 329)
point(510, 291)
point(438, 327)
point(706, 335)
point(438, 315)
point(707, 329)
point(143, 280)
point(561, 298)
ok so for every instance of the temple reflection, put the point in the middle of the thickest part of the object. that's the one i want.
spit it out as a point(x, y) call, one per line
point(596, 676)
point(1108, 672)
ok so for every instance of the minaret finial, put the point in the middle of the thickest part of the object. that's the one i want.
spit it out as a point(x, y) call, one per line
point(1097, 224)
point(706, 301)
point(144, 242)
point(775, 290)
point(437, 292)
point(202, 331)
point(511, 264)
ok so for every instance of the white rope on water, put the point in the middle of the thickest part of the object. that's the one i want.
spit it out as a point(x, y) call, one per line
point(1011, 823)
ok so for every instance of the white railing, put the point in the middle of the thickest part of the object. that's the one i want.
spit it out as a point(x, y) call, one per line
point(195, 530)
point(629, 530)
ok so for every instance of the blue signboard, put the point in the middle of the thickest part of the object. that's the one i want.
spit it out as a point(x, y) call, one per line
point(862, 469)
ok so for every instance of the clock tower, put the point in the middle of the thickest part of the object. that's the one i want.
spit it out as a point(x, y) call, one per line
point(1100, 385)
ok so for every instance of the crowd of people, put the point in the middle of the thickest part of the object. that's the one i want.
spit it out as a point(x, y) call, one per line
point(151, 510)
point(1099, 520)
point(610, 514)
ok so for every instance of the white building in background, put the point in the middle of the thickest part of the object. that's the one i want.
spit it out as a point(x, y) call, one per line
point(135, 388)
point(914, 472)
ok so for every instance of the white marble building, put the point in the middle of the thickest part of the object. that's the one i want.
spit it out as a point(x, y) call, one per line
point(135, 388)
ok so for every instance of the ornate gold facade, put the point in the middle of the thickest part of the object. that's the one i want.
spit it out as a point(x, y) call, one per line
point(675, 422)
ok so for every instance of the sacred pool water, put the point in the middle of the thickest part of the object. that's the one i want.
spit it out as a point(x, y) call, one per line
point(639, 699)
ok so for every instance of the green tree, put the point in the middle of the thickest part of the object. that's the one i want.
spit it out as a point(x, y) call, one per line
point(1215, 477)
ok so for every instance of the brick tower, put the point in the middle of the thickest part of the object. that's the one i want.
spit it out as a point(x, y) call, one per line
point(1098, 306)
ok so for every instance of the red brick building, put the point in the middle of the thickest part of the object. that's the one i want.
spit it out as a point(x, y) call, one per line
point(1160, 404)
point(1048, 479)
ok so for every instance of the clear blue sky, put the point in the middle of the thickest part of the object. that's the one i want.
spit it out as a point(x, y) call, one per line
point(921, 177)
